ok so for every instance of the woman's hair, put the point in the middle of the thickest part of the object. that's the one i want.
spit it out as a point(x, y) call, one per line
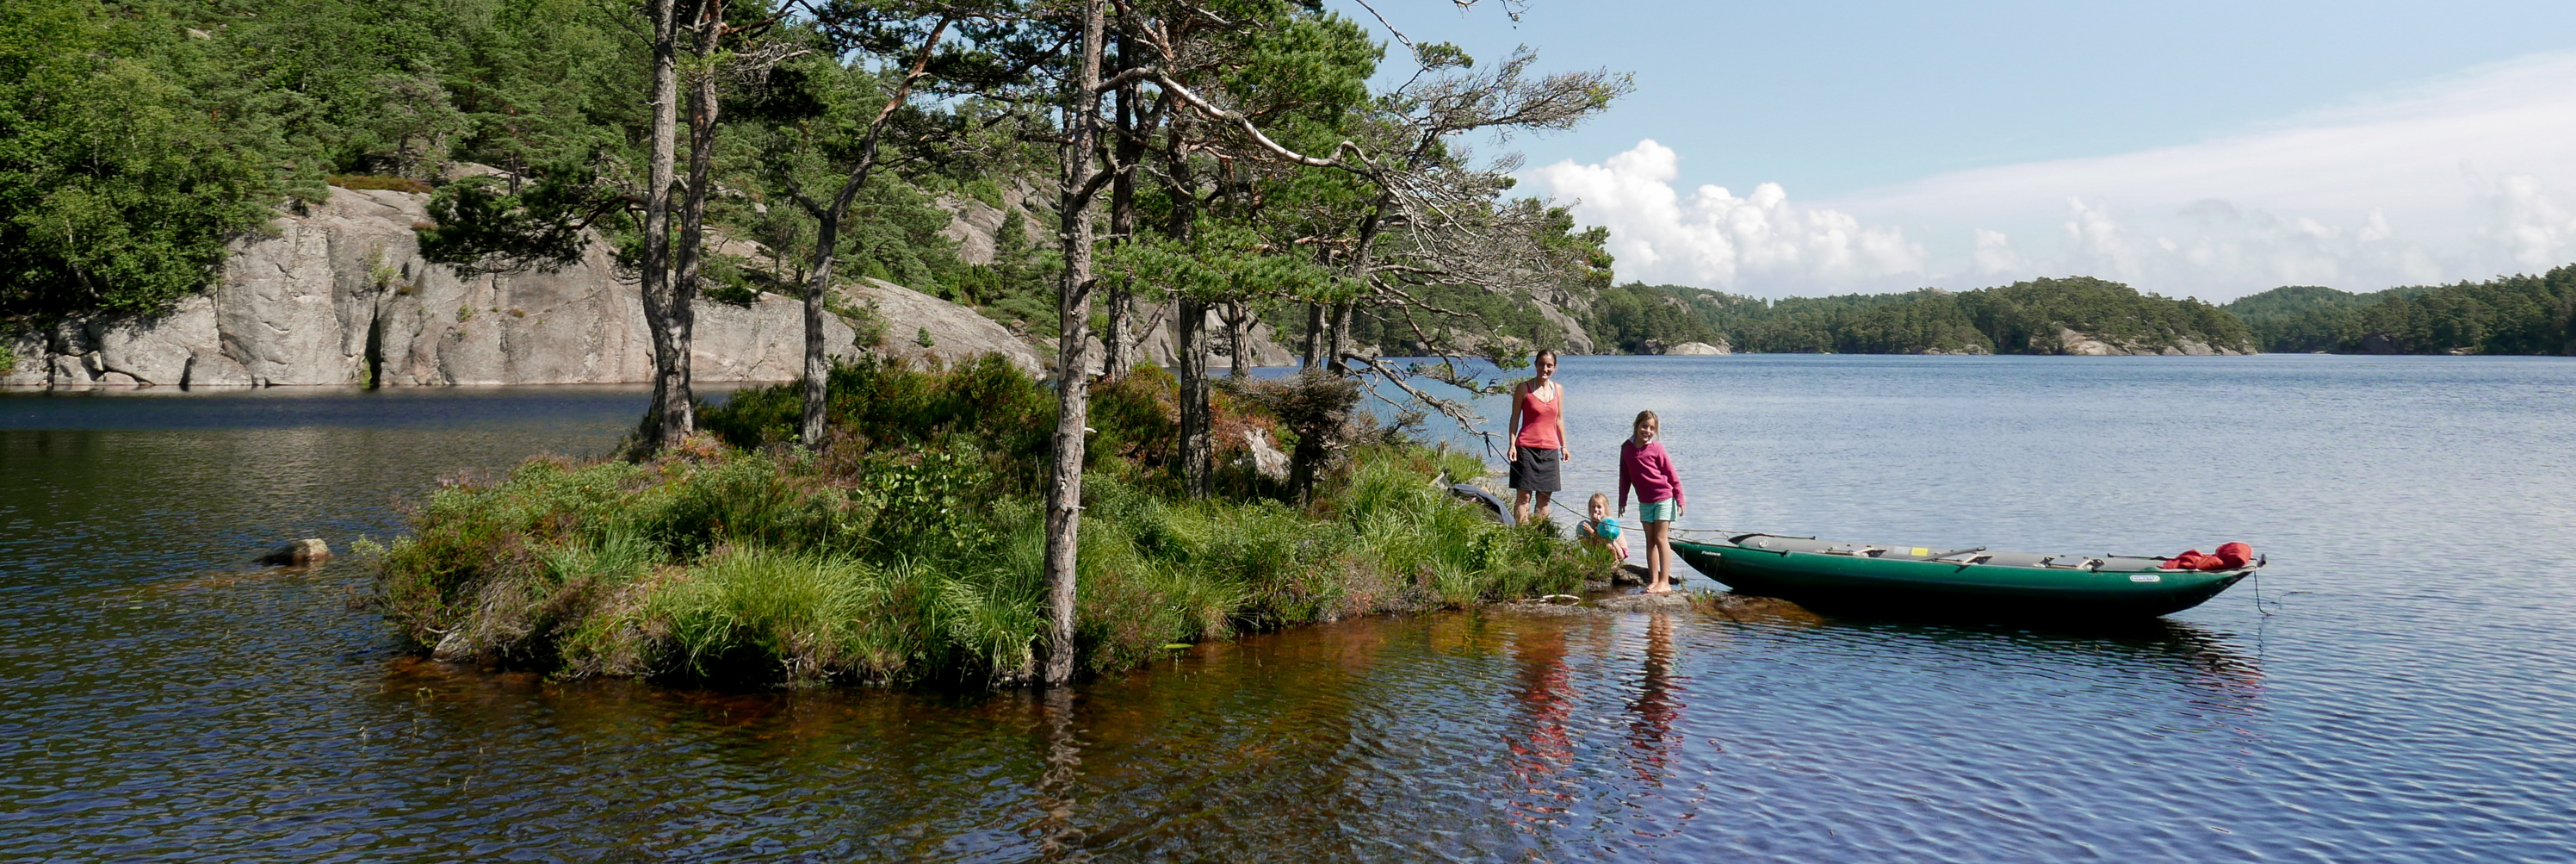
point(1645, 417)
point(1549, 353)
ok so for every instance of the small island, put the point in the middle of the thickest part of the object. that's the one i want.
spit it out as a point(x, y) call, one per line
point(909, 548)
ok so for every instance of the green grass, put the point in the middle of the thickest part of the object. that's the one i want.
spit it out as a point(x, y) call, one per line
point(911, 549)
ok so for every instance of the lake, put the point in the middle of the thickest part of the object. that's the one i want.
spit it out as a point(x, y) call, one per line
point(2402, 691)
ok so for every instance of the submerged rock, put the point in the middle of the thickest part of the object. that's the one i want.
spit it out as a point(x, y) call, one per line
point(1674, 600)
point(309, 550)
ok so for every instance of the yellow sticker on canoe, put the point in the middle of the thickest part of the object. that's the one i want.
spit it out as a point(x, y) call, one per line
point(1918, 550)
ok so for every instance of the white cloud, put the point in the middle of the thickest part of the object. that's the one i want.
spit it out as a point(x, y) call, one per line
point(2464, 178)
point(1715, 239)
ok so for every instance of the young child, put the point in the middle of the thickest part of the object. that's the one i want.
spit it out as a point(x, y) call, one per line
point(1601, 530)
point(1644, 466)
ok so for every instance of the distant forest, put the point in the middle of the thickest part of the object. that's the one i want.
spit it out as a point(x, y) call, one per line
point(2509, 315)
point(2021, 318)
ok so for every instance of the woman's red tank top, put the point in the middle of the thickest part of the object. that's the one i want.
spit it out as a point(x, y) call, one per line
point(1538, 419)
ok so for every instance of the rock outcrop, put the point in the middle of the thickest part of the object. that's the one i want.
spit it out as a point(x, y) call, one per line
point(1159, 345)
point(2086, 345)
point(1700, 349)
point(339, 295)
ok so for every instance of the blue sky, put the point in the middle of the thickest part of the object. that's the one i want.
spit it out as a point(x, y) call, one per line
point(2191, 148)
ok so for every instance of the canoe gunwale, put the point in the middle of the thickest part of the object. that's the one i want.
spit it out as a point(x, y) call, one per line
point(1824, 579)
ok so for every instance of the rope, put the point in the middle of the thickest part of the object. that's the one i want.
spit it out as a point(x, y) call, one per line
point(2275, 604)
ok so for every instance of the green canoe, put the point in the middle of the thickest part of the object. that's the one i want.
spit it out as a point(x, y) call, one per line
point(1828, 575)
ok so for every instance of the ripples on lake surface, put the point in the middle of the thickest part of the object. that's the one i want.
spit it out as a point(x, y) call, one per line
point(2410, 700)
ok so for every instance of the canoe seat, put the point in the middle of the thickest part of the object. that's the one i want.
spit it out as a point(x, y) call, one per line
point(2074, 562)
point(1788, 544)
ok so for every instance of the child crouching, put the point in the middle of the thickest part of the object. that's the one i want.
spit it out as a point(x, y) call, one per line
point(1600, 530)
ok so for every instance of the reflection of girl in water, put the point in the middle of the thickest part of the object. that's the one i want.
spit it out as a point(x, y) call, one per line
point(1656, 706)
point(1546, 696)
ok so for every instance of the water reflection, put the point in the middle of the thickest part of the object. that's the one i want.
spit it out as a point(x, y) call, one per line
point(1542, 737)
point(1059, 839)
point(1657, 705)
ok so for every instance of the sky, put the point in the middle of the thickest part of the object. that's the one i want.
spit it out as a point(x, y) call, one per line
point(2187, 148)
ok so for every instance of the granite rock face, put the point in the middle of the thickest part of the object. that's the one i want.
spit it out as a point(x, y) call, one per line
point(339, 295)
point(2080, 344)
point(1700, 349)
point(955, 331)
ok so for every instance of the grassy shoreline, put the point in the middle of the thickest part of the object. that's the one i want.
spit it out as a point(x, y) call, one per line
point(908, 549)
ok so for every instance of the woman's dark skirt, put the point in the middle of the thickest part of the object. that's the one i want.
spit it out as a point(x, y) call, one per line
point(1535, 470)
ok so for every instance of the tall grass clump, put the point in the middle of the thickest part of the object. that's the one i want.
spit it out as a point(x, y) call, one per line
point(909, 549)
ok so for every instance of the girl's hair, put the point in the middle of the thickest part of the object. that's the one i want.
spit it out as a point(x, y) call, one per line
point(1645, 417)
point(1601, 498)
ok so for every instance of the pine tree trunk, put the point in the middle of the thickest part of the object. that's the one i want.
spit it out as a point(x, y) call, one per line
point(1337, 342)
point(660, 296)
point(1118, 353)
point(1314, 336)
point(1238, 339)
point(1073, 393)
point(827, 237)
point(1190, 350)
point(679, 411)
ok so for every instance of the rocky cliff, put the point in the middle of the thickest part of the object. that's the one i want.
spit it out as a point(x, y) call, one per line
point(339, 295)
point(2088, 345)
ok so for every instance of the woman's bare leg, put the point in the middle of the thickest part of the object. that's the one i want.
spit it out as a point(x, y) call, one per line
point(1540, 506)
point(1520, 506)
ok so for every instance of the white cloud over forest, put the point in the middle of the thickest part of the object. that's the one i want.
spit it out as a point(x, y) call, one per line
point(2463, 178)
point(1713, 238)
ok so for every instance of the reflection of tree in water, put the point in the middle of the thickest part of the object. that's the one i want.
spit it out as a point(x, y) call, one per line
point(1542, 741)
point(1059, 839)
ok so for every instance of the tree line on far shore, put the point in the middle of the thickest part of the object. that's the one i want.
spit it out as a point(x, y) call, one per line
point(2506, 315)
point(2021, 318)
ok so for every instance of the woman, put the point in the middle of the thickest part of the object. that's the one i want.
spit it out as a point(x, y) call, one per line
point(1538, 438)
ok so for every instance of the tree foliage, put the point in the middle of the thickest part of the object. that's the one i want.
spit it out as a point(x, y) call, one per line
point(2506, 315)
point(2021, 318)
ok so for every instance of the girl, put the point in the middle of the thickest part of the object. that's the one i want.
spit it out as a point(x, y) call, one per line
point(1538, 439)
point(1601, 530)
point(1644, 465)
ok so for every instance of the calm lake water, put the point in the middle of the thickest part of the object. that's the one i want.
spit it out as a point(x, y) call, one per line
point(2408, 697)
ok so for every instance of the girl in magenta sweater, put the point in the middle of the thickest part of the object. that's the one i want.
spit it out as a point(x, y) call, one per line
point(1644, 465)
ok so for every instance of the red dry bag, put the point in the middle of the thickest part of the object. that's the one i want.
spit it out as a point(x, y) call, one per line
point(2230, 556)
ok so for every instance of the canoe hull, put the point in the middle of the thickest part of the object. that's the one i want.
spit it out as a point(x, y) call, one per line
point(1829, 582)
